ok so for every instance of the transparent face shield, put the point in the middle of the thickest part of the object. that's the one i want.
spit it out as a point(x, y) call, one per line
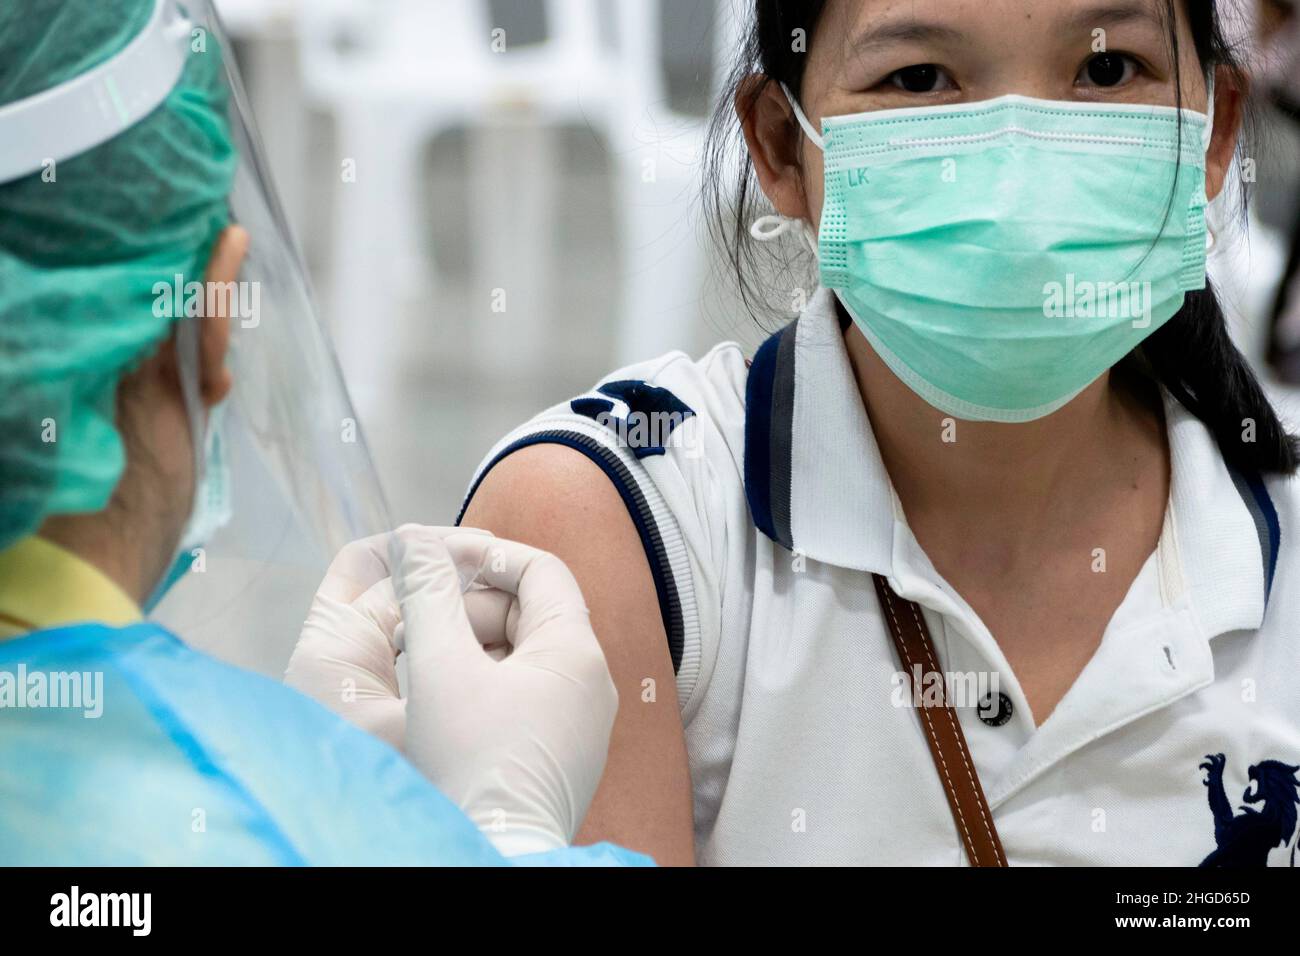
point(302, 482)
point(285, 478)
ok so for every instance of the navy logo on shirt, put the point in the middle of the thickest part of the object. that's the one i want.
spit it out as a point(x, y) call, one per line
point(1247, 838)
point(642, 415)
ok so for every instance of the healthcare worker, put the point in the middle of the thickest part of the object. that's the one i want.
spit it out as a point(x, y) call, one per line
point(144, 414)
point(1010, 416)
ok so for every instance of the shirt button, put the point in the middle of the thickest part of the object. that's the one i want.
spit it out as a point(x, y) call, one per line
point(995, 713)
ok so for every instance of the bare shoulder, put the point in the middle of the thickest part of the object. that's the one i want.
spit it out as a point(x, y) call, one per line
point(555, 498)
point(552, 492)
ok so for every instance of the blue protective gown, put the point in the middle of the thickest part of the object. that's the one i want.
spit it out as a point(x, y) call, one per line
point(194, 762)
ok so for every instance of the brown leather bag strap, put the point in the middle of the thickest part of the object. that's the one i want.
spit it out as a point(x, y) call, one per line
point(970, 809)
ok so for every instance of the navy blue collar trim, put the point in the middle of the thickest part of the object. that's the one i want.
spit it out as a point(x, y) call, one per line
point(1267, 527)
point(769, 415)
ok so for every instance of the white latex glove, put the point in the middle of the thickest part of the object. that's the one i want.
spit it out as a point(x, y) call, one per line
point(345, 658)
point(346, 655)
point(519, 743)
point(517, 739)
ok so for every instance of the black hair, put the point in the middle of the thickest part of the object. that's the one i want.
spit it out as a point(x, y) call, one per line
point(1192, 355)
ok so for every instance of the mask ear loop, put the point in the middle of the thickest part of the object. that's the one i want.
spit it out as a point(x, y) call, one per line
point(772, 227)
point(189, 348)
point(808, 127)
point(1207, 135)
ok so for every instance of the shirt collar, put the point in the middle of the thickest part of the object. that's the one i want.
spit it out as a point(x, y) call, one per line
point(43, 586)
point(1228, 534)
point(813, 474)
point(817, 485)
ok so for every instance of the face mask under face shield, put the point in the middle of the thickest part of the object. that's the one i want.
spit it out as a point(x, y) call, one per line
point(285, 477)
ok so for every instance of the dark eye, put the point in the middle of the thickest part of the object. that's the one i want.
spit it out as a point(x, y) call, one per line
point(1107, 69)
point(922, 78)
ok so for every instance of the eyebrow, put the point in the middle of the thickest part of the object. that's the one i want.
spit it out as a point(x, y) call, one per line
point(1112, 14)
point(904, 31)
point(921, 31)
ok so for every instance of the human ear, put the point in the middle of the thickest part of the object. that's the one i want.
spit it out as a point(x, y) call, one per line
point(1221, 154)
point(214, 342)
point(772, 134)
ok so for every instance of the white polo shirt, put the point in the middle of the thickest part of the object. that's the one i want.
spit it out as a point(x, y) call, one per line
point(764, 508)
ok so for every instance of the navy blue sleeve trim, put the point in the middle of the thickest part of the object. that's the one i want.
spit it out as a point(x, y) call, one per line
point(670, 608)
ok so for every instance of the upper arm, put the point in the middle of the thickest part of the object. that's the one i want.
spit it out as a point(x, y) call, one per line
point(555, 498)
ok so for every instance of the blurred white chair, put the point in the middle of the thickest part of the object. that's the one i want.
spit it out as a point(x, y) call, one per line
point(266, 31)
point(658, 197)
point(246, 17)
point(395, 74)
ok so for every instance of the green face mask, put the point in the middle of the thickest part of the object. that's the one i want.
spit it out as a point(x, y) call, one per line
point(1000, 256)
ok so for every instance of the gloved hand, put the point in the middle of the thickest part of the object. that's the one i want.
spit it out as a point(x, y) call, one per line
point(517, 739)
point(519, 743)
point(346, 655)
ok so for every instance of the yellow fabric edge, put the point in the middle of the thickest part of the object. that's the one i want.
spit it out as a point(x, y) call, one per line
point(43, 586)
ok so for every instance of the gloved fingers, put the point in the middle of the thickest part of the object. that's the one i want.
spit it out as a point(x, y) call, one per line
point(428, 587)
point(339, 643)
point(378, 605)
point(358, 566)
point(332, 669)
point(552, 610)
point(362, 563)
point(493, 615)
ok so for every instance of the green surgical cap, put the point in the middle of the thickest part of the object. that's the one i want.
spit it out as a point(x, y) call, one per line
point(81, 249)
